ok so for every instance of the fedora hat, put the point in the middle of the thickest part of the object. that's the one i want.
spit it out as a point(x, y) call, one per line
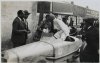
point(26, 12)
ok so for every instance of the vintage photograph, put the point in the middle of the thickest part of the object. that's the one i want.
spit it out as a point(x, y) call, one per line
point(50, 31)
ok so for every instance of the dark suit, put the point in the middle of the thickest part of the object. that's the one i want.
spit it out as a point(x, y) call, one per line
point(90, 53)
point(18, 37)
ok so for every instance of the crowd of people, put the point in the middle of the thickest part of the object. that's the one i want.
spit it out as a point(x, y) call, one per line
point(89, 32)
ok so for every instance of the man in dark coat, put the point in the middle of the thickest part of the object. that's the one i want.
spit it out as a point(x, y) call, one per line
point(19, 30)
point(90, 53)
point(26, 14)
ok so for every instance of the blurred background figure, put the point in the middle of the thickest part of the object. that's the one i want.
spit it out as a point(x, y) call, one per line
point(65, 18)
point(73, 30)
point(82, 31)
point(71, 22)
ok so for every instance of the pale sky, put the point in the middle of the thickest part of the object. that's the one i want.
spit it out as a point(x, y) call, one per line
point(92, 4)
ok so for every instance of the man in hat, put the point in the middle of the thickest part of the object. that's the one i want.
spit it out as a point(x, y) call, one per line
point(19, 30)
point(90, 52)
point(26, 14)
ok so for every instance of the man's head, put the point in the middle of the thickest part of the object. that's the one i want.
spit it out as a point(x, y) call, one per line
point(50, 17)
point(20, 14)
point(26, 14)
point(89, 21)
point(65, 18)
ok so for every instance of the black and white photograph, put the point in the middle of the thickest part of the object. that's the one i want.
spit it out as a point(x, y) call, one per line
point(50, 31)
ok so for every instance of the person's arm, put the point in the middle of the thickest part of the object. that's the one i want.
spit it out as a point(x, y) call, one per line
point(63, 26)
point(58, 34)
